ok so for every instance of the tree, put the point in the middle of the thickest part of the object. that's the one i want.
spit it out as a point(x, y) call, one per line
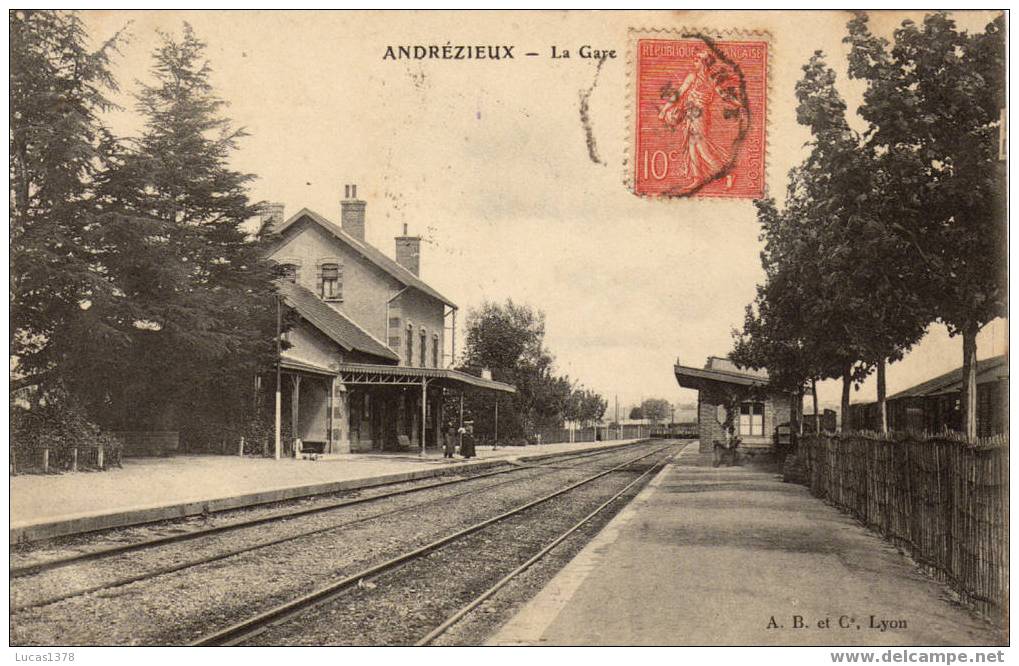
point(199, 287)
point(883, 313)
point(655, 409)
point(508, 339)
point(932, 102)
point(585, 407)
point(839, 297)
point(58, 147)
point(636, 414)
point(592, 407)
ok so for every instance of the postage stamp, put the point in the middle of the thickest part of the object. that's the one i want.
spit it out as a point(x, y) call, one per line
point(700, 114)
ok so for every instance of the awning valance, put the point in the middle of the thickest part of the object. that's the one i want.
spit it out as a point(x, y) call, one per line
point(399, 375)
point(297, 365)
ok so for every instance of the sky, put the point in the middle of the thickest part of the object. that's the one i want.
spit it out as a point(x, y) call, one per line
point(489, 162)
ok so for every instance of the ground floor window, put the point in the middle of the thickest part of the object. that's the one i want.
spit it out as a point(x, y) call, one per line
point(751, 419)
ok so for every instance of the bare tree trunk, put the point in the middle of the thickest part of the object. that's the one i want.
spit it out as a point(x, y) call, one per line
point(817, 416)
point(847, 383)
point(882, 404)
point(969, 382)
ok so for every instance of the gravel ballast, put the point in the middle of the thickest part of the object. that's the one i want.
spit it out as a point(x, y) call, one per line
point(178, 607)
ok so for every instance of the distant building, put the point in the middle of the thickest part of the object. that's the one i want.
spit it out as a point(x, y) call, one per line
point(936, 404)
point(761, 408)
point(366, 365)
point(827, 421)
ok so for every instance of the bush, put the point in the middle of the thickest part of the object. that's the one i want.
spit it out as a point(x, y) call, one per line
point(59, 428)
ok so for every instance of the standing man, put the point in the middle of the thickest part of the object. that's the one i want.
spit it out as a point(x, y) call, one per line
point(449, 444)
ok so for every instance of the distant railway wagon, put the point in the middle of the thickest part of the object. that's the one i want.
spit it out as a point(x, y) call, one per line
point(675, 431)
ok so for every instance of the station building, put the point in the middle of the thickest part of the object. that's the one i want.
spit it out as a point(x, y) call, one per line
point(366, 364)
point(762, 411)
point(935, 405)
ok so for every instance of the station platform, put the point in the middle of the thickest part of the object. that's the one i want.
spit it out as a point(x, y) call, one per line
point(732, 556)
point(150, 489)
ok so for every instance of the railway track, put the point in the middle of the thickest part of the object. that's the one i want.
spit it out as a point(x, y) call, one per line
point(36, 568)
point(286, 614)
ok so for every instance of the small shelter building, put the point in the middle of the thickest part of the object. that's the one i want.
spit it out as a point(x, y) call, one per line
point(730, 395)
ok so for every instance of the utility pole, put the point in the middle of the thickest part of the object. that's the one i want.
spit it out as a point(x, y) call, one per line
point(279, 380)
point(619, 428)
point(460, 430)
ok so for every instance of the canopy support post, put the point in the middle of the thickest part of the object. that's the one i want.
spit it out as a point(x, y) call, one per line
point(424, 412)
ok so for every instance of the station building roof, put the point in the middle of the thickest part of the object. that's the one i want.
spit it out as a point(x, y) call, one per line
point(988, 370)
point(719, 371)
point(334, 324)
point(366, 250)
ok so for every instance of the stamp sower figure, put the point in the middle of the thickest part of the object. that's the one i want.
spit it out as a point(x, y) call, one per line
point(688, 110)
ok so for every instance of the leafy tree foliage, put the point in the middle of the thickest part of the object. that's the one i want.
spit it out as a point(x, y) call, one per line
point(137, 299)
point(585, 407)
point(58, 149)
point(838, 299)
point(932, 101)
point(198, 284)
point(656, 410)
point(509, 340)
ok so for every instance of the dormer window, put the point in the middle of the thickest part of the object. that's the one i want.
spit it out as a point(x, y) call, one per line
point(288, 272)
point(331, 284)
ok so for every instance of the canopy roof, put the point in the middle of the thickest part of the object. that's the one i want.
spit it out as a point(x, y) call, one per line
point(708, 378)
point(398, 375)
point(288, 363)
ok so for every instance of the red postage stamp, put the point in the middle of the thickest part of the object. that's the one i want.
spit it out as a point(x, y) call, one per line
point(701, 116)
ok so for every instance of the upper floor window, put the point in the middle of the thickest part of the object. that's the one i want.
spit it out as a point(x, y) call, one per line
point(751, 418)
point(288, 272)
point(435, 351)
point(410, 344)
point(424, 346)
point(332, 283)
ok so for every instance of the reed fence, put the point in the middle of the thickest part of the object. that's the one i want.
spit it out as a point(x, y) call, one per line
point(940, 498)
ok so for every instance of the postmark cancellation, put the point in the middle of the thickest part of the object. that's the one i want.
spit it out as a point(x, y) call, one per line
point(699, 113)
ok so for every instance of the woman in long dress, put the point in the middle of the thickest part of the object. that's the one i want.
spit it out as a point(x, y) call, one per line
point(688, 111)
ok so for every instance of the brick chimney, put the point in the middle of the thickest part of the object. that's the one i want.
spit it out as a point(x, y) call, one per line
point(272, 215)
point(408, 252)
point(352, 213)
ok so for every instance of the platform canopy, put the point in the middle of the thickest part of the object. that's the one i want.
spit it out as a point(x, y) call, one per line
point(366, 374)
point(708, 379)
